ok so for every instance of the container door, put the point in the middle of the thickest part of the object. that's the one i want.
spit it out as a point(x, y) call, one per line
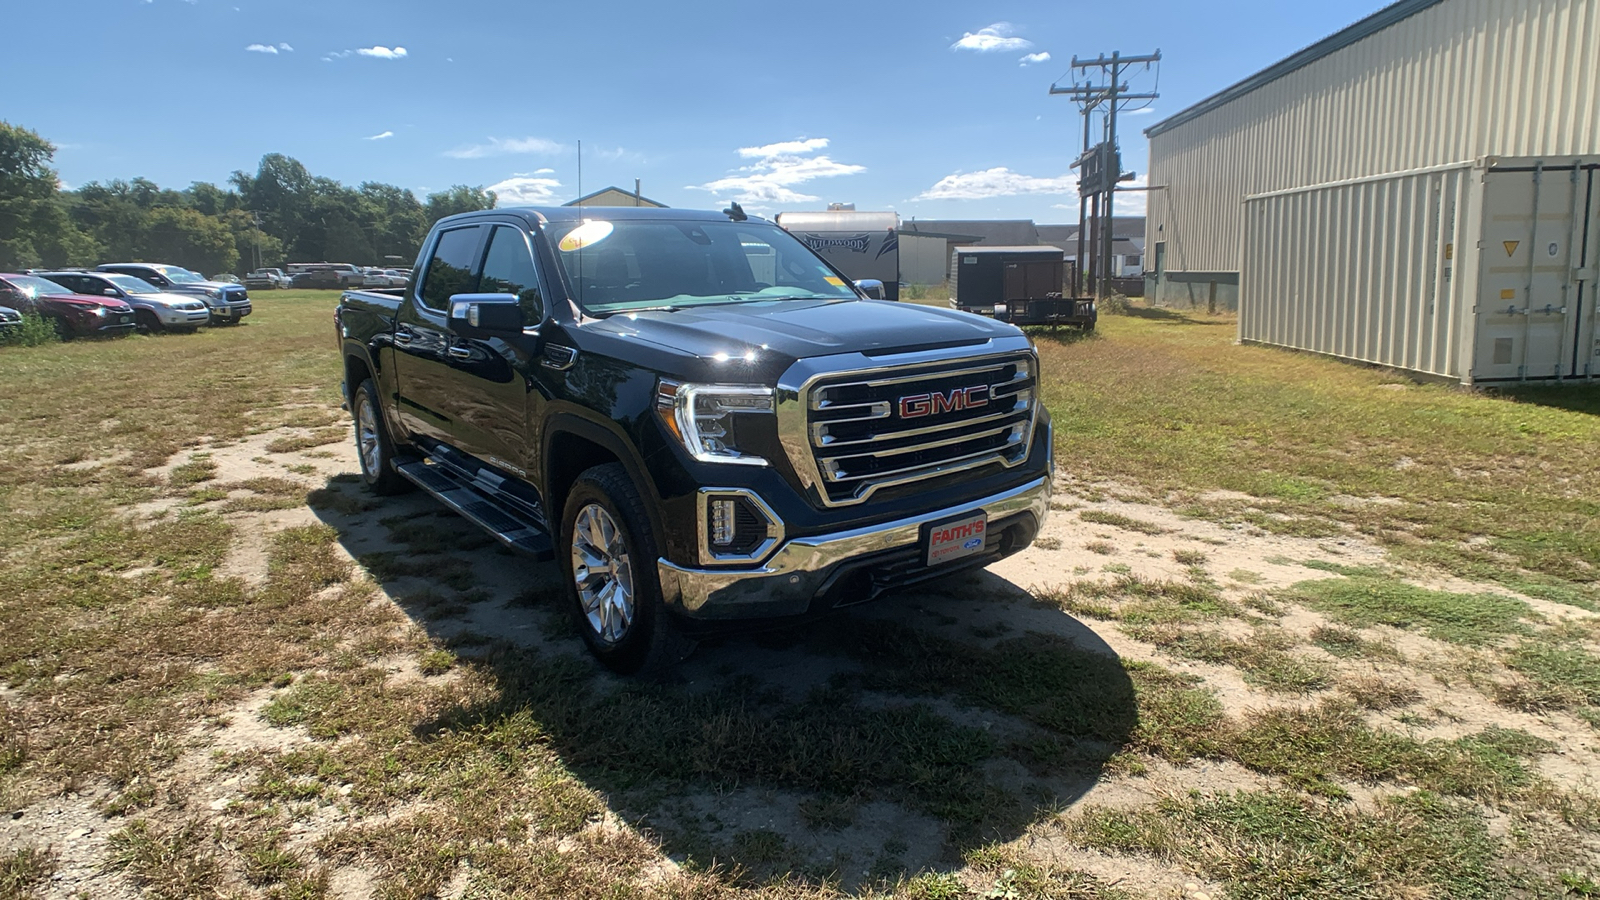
point(1527, 303)
point(1585, 362)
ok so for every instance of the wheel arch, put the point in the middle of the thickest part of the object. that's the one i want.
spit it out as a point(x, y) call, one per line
point(573, 445)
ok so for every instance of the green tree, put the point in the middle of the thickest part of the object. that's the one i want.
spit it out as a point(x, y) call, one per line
point(458, 199)
point(190, 239)
point(34, 226)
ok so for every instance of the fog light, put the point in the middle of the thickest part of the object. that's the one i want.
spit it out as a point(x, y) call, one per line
point(722, 522)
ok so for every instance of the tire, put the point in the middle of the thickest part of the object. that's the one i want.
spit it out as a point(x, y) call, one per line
point(374, 448)
point(147, 321)
point(604, 507)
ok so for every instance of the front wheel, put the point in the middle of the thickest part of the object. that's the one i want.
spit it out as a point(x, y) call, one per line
point(373, 446)
point(608, 553)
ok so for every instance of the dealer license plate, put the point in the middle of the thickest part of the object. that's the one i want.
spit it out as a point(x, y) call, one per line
point(955, 539)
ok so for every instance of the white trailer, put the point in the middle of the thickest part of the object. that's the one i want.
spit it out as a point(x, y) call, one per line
point(862, 245)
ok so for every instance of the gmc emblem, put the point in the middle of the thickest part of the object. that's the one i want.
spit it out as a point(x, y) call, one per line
point(916, 406)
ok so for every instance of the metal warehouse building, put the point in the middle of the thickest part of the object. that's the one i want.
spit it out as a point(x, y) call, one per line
point(1418, 190)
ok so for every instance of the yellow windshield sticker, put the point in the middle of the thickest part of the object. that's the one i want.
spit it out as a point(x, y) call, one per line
point(833, 280)
point(586, 235)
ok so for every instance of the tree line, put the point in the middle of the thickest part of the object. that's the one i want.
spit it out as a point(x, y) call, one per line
point(278, 213)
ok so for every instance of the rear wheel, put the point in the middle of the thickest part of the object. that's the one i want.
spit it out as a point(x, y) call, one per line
point(373, 446)
point(608, 553)
point(147, 321)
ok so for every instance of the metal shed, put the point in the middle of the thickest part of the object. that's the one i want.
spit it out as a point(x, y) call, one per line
point(1481, 271)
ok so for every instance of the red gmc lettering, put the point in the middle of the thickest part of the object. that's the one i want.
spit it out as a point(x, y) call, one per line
point(916, 406)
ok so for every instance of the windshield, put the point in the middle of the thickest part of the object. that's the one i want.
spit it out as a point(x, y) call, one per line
point(180, 276)
point(613, 267)
point(33, 286)
point(131, 284)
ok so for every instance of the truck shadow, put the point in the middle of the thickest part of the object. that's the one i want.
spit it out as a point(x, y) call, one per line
point(885, 739)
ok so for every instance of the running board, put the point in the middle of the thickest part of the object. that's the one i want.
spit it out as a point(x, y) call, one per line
point(505, 523)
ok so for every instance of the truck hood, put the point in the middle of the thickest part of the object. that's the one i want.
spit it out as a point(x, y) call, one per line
point(799, 329)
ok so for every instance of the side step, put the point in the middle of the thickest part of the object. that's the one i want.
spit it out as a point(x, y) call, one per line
point(510, 524)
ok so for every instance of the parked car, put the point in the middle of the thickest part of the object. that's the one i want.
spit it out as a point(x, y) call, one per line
point(383, 278)
point(302, 280)
point(153, 309)
point(10, 319)
point(226, 278)
point(228, 303)
point(266, 279)
point(330, 275)
point(700, 440)
point(72, 313)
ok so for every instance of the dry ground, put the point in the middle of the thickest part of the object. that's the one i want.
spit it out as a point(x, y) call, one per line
point(1242, 660)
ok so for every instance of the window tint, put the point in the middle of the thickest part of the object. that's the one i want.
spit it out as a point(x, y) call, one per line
point(453, 268)
point(508, 269)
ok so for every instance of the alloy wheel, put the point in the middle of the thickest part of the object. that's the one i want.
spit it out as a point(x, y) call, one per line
point(603, 572)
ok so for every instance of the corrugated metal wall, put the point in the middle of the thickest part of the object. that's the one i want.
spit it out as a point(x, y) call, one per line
point(1460, 80)
point(1361, 270)
point(1478, 272)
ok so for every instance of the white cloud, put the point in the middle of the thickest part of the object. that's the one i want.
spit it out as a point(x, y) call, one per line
point(997, 37)
point(523, 189)
point(1141, 111)
point(381, 52)
point(286, 48)
point(778, 169)
point(262, 48)
point(997, 182)
point(1031, 58)
point(783, 148)
point(543, 171)
point(380, 136)
point(507, 147)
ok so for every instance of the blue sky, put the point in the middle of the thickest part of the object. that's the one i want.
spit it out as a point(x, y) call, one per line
point(934, 109)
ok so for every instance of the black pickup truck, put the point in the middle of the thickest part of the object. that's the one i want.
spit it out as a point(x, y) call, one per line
point(702, 421)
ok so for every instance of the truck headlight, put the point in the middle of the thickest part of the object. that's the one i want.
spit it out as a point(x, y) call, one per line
point(705, 417)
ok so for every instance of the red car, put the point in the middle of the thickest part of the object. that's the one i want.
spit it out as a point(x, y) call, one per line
point(74, 314)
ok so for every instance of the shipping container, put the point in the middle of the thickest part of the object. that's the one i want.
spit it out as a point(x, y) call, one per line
point(1478, 272)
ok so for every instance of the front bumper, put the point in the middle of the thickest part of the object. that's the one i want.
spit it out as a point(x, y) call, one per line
point(813, 574)
point(229, 312)
point(183, 318)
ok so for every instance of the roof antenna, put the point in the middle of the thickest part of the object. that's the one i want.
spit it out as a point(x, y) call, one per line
point(580, 179)
point(735, 213)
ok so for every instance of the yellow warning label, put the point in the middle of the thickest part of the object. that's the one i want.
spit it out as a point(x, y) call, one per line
point(833, 280)
point(1508, 294)
point(1511, 247)
point(1449, 251)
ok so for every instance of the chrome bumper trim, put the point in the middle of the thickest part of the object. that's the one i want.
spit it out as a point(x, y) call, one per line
point(799, 569)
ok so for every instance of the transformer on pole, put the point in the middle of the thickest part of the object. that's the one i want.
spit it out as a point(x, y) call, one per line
point(1100, 164)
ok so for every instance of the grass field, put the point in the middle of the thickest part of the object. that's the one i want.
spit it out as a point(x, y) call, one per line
point(1296, 629)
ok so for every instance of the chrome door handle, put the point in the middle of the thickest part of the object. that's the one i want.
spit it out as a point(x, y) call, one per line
point(403, 337)
point(458, 351)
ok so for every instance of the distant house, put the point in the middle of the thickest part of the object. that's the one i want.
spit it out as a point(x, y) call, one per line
point(615, 196)
point(1127, 247)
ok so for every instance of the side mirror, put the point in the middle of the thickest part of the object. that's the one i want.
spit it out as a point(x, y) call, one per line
point(873, 288)
point(111, 292)
point(484, 315)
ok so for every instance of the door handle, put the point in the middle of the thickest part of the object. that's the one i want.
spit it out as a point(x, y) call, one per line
point(459, 351)
point(403, 336)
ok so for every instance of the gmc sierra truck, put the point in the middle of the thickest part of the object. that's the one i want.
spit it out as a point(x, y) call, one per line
point(702, 421)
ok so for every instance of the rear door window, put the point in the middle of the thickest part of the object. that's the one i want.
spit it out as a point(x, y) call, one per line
point(453, 269)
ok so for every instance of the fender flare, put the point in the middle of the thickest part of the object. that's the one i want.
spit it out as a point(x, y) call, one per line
point(609, 436)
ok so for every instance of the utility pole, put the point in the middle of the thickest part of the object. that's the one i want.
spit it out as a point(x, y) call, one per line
point(1100, 166)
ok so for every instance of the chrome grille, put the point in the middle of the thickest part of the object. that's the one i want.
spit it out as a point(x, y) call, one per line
point(872, 430)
